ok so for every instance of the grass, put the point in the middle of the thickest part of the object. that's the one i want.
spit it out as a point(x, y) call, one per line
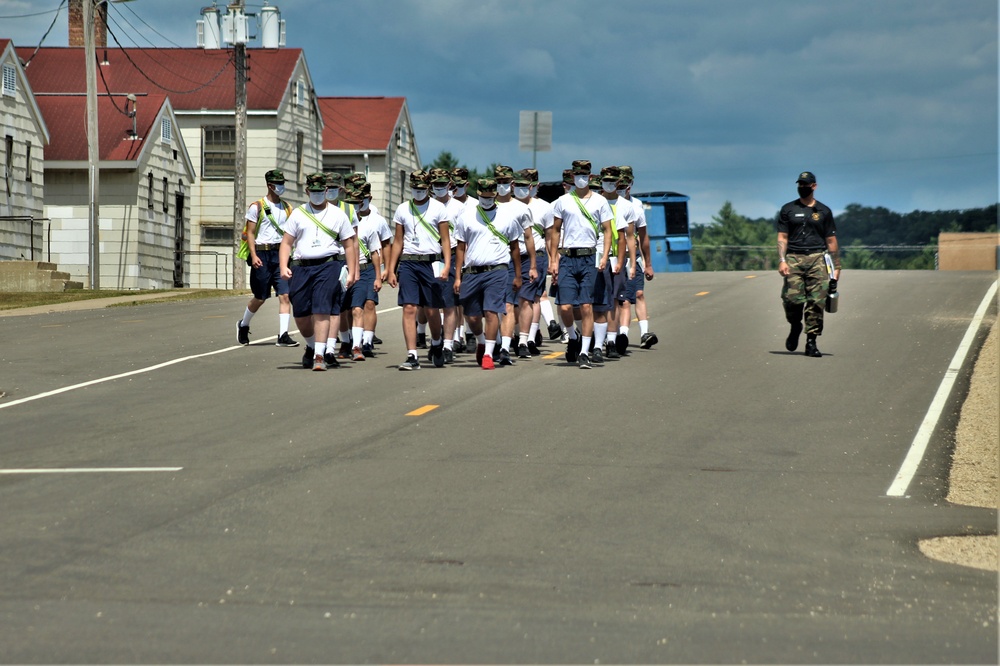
point(14, 300)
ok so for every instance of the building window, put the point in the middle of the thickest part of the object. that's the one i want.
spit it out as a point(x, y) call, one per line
point(342, 169)
point(166, 130)
point(216, 235)
point(403, 137)
point(149, 190)
point(300, 142)
point(219, 152)
point(166, 199)
point(9, 80)
point(299, 94)
point(27, 162)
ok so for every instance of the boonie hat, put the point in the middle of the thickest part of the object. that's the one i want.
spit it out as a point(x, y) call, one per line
point(610, 173)
point(580, 166)
point(274, 176)
point(439, 176)
point(595, 181)
point(531, 174)
point(522, 178)
point(460, 176)
point(316, 182)
point(568, 176)
point(807, 177)
point(487, 187)
point(334, 179)
point(501, 171)
point(418, 179)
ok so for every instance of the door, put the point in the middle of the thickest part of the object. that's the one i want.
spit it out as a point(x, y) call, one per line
point(179, 239)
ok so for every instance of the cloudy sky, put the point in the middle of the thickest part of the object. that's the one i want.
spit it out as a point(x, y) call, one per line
point(890, 102)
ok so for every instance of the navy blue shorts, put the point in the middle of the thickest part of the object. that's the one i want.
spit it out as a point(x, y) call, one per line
point(619, 284)
point(603, 294)
point(576, 280)
point(531, 291)
point(484, 292)
point(542, 263)
point(418, 286)
point(362, 290)
point(635, 285)
point(448, 288)
point(316, 290)
point(267, 277)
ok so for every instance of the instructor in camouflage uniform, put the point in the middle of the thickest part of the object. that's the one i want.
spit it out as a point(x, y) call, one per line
point(806, 231)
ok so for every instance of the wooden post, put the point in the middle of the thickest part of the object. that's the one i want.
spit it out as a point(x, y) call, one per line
point(93, 153)
point(239, 177)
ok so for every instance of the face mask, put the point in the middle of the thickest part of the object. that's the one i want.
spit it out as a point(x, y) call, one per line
point(581, 181)
point(279, 189)
point(522, 192)
point(365, 204)
point(533, 191)
point(332, 194)
point(622, 193)
point(317, 198)
point(805, 192)
point(459, 191)
point(503, 189)
point(486, 202)
point(607, 186)
point(419, 194)
point(440, 192)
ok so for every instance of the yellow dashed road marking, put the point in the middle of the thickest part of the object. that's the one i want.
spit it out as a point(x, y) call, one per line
point(702, 293)
point(420, 411)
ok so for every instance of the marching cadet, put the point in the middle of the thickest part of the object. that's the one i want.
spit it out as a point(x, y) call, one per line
point(323, 238)
point(487, 243)
point(542, 209)
point(371, 219)
point(622, 255)
point(644, 271)
point(365, 290)
point(265, 218)
point(578, 219)
point(460, 193)
point(504, 177)
point(531, 291)
point(421, 233)
point(440, 181)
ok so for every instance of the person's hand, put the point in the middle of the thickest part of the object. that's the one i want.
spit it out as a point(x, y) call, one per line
point(604, 264)
point(256, 262)
point(836, 274)
point(378, 284)
point(458, 284)
point(393, 280)
point(783, 269)
point(517, 282)
point(533, 274)
point(286, 273)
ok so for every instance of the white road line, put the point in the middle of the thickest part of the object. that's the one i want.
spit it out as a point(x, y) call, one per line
point(88, 470)
point(916, 453)
point(158, 366)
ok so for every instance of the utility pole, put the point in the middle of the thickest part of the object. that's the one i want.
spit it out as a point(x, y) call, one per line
point(238, 21)
point(93, 153)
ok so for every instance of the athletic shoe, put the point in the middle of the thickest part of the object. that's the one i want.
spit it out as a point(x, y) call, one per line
point(555, 331)
point(481, 354)
point(792, 341)
point(573, 349)
point(487, 363)
point(331, 360)
point(437, 355)
point(285, 340)
point(421, 341)
point(470, 338)
point(505, 358)
point(459, 346)
point(319, 365)
point(368, 350)
point(584, 362)
point(648, 340)
point(596, 356)
point(449, 356)
point(564, 338)
point(411, 363)
point(621, 344)
point(523, 351)
point(538, 338)
point(376, 340)
point(533, 348)
point(307, 358)
point(358, 355)
point(345, 350)
point(242, 333)
point(613, 351)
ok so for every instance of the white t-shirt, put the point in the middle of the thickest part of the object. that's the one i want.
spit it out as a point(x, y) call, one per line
point(311, 242)
point(640, 213)
point(482, 246)
point(623, 213)
point(265, 233)
point(368, 234)
point(523, 215)
point(541, 218)
point(380, 224)
point(455, 209)
point(417, 238)
point(577, 231)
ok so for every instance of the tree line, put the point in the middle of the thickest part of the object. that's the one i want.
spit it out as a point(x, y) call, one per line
point(870, 238)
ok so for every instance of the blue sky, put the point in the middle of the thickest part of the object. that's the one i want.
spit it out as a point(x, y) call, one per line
point(890, 102)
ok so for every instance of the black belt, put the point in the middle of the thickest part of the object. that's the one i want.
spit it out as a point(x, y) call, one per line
point(367, 266)
point(317, 262)
point(524, 256)
point(577, 251)
point(266, 247)
point(476, 270)
point(421, 257)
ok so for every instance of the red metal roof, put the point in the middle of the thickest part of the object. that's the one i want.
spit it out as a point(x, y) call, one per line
point(66, 117)
point(193, 78)
point(359, 123)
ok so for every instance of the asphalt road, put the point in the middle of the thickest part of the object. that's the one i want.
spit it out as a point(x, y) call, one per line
point(712, 500)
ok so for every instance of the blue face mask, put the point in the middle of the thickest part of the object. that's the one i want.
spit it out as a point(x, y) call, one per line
point(279, 189)
point(332, 193)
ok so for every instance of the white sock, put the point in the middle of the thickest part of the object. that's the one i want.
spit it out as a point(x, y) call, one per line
point(522, 339)
point(571, 332)
point(247, 316)
point(481, 339)
point(505, 343)
point(310, 340)
point(643, 327)
point(612, 336)
point(435, 342)
point(320, 348)
point(356, 333)
point(331, 343)
point(421, 328)
point(345, 337)
point(412, 352)
point(367, 337)
point(585, 344)
point(600, 332)
point(533, 331)
point(449, 343)
point(623, 330)
point(489, 347)
point(546, 306)
point(283, 320)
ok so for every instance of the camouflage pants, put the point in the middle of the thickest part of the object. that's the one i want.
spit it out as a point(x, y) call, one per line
point(804, 291)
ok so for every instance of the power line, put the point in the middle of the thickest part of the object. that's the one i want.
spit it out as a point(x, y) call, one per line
point(54, 19)
point(48, 11)
point(150, 27)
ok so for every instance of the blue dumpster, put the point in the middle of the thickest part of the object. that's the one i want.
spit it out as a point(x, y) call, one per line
point(668, 230)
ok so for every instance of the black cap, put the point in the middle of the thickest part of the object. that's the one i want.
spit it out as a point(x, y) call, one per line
point(807, 177)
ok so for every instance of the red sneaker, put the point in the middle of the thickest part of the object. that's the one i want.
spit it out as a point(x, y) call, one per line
point(487, 363)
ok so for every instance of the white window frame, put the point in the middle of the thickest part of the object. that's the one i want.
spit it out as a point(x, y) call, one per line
point(166, 130)
point(9, 80)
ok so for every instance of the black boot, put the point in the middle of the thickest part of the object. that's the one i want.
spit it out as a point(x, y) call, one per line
point(792, 341)
point(811, 349)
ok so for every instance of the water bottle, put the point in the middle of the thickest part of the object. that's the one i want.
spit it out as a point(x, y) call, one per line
point(832, 297)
